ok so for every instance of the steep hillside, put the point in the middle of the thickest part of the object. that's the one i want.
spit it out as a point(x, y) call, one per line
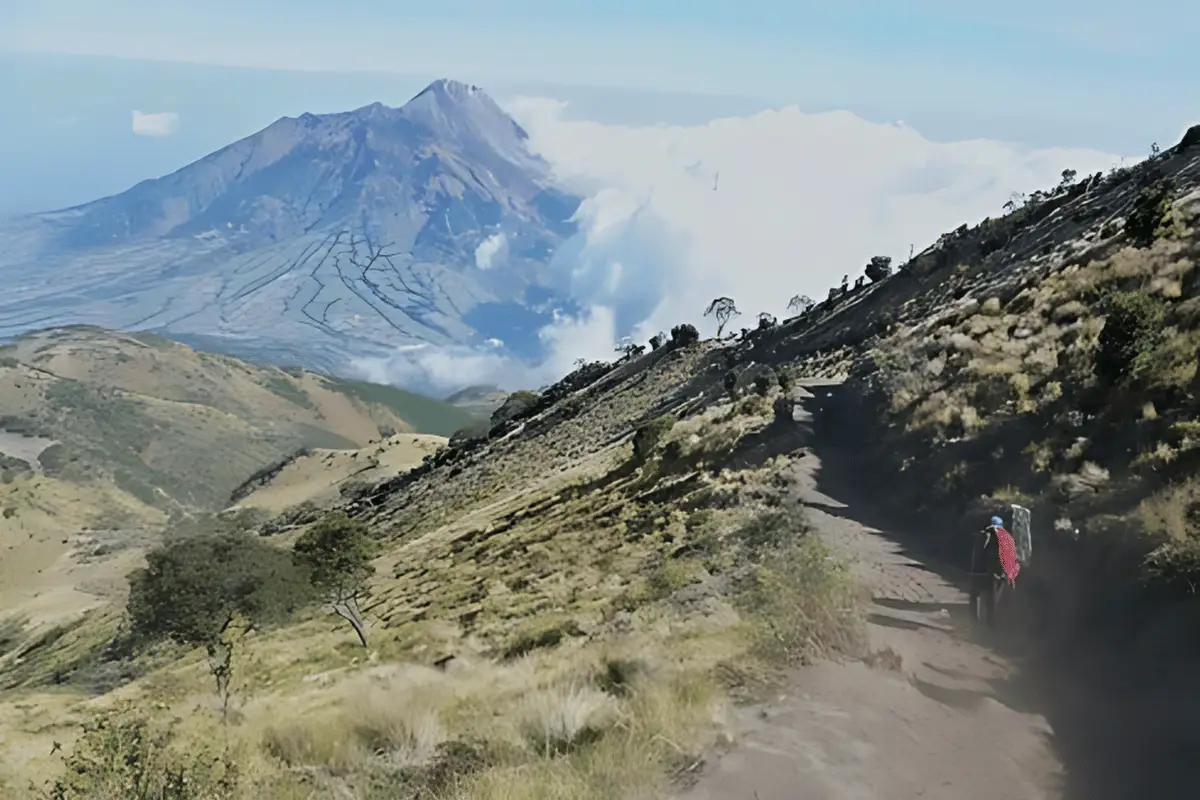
point(105, 437)
point(319, 477)
point(316, 240)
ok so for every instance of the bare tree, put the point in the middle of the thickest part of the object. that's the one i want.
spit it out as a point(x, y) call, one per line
point(801, 303)
point(722, 309)
point(629, 348)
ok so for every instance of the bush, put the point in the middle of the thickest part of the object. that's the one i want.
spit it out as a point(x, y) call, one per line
point(684, 334)
point(647, 437)
point(126, 759)
point(1150, 210)
point(878, 268)
point(1132, 327)
point(730, 383)
point(804, 602)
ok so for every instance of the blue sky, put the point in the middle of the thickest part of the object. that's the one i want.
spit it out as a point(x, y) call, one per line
point(1106, 74)
point(1034, 56)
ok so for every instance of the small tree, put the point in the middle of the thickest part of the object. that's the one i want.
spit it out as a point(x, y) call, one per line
point(684, 334)
point(766, 321)
point(208, 591)
point(878, 268)
point(337, 553)
point(1068, 177)
point(801, 304)
point(628, 348)
point(658, 340)
point(722, 309)
point(1132, 327)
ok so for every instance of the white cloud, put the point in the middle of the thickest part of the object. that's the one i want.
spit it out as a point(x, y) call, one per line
point(441, 370)
point(801, 200)
point(491, 250)
point(162, 123)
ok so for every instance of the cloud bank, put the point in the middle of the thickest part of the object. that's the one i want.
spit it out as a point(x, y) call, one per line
point(159, 124)
point(758, 208)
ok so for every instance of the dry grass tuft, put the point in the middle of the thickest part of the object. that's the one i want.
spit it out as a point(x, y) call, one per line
point(560, 719)
point(1173, 512)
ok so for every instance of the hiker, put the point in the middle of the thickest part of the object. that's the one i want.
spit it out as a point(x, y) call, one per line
point(993, 563)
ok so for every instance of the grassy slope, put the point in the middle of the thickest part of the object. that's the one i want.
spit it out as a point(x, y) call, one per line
point(580, 596)
point(106, 436)
point(425, 414)
point(979, 362)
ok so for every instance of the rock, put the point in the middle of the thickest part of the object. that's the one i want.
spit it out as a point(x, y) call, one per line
point(1191, 138)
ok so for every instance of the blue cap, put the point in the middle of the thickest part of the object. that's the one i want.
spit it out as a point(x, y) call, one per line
point(999, 523)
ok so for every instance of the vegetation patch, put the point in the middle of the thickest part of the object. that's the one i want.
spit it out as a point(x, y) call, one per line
point(425, 414)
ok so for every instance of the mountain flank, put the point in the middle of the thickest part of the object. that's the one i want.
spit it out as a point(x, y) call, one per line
point(318, 240)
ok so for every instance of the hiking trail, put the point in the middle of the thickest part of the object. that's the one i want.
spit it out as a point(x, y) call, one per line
point(937, 727)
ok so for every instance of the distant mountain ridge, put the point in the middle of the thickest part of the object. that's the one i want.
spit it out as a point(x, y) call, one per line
point(317, 240)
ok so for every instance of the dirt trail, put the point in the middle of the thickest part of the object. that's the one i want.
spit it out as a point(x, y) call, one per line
point(937, 728)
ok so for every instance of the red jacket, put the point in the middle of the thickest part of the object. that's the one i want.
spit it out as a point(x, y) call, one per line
point(1008, 554)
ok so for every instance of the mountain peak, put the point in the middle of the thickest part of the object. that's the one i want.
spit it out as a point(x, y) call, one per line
point(453, 111)
point(447, 89)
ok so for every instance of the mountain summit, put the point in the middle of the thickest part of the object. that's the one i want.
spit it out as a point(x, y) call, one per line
point(318, 239)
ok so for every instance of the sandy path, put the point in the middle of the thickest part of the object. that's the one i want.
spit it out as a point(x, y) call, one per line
point(937, 728)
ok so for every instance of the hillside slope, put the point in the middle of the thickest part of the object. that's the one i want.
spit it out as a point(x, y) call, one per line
point(106, 437)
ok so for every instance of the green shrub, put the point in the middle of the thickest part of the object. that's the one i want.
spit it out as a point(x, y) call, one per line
point(127, 759)
point(683, 335)
point(1132, 327)
point(803, 602)
point(1150, 211)
point(647, 437)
